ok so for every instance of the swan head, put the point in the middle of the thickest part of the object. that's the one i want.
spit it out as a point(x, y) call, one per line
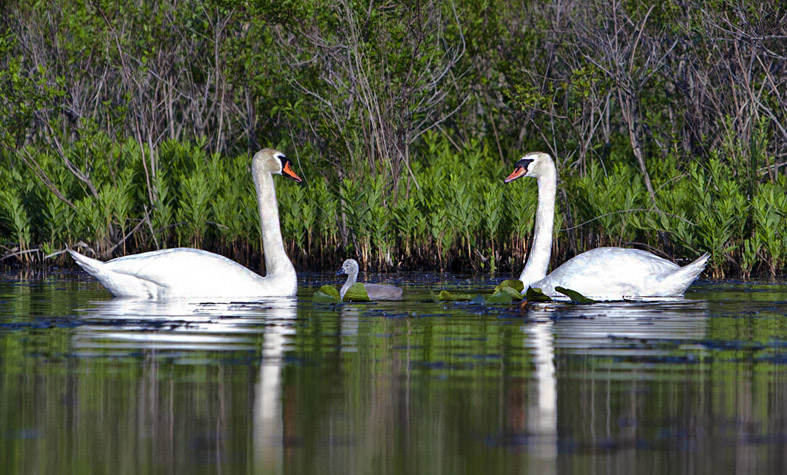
point(533, 164)
point(349, 267)
point(274, 162)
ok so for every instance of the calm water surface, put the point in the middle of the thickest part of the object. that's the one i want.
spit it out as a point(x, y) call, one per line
point(89, 384)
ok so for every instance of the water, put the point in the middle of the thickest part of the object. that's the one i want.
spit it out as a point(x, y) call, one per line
point(94, 385)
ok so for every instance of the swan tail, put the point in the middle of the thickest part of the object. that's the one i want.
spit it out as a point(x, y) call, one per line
point(90, 265)
point(677, 282)
point(118, 284)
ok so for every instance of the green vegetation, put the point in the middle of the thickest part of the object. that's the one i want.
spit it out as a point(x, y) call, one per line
point(329, 294)
point(127, 126)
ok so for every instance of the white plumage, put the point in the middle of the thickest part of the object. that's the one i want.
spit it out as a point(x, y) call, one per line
point(196, 274)
point(605, 273)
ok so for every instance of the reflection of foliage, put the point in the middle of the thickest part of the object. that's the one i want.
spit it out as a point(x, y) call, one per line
point(435, 380)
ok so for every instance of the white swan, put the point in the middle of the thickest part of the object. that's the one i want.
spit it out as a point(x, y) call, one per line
point(374, 291)
point(193, 273)
point(605, 273)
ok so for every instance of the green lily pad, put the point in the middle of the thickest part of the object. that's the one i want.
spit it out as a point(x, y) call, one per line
point(326, 294)
point(503, 297)
point(536, 295)
point(575, 296)
point(356, 293)
point(514, 284)
point(446, 296)
point(514, 293)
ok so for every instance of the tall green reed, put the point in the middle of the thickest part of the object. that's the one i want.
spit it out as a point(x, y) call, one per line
point(460, 215)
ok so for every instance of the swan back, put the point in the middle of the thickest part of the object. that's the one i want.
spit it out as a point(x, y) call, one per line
point(613, 273)
point(383, 292)
point(183, 273)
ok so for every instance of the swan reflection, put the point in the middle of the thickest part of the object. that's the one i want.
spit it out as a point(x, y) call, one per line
point(603, 328)
point(125, 324)
point(189, 329)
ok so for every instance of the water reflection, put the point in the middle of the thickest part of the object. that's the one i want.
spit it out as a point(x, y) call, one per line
point(542, 415)
point(126, 324)
point(415, 386)
point(268, 415)
point(604, 328)
point(122, 325)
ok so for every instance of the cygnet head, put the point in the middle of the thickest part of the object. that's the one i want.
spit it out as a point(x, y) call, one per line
point(273, 162)
point(349, 267)
point(533, 164)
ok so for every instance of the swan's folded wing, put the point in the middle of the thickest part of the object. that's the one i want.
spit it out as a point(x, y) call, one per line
point(608, 273)
point(383, 292)
point(187, 271)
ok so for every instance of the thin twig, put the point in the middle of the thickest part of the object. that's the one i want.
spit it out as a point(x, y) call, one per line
point(19, 253)
point(112, 249)
point(633, 210)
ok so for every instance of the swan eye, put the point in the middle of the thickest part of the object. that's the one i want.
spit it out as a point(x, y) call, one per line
point(524, 163)
point(520, 170)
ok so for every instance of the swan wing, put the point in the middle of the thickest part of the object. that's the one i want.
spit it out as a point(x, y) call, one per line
point(183, 273)
point(383, 292)
point(610, 273)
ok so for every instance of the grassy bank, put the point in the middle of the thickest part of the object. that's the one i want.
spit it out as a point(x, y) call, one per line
point(128, 125)
point(455, 213)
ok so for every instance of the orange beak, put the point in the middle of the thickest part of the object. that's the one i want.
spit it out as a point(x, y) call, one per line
point(517, 173)
point(290, 173)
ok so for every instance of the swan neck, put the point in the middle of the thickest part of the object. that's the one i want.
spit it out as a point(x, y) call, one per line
point(541, 250)
point(276, 260)
point(351, 278)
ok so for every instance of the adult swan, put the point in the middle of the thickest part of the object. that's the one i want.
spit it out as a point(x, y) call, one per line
point(193, 273)
point(605, 273)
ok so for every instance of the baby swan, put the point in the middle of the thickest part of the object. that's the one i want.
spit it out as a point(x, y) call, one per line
point(374, 291)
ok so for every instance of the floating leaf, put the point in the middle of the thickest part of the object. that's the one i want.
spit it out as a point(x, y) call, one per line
point(575, 296)
point(447, 296)
point(514, 293)
point(502, 297)
point(514, 284)
point(356, 293)
point(326, 294)
point(536, 295)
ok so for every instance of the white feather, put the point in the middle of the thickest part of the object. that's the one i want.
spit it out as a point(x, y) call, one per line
point(605, 273)
point(196, 274)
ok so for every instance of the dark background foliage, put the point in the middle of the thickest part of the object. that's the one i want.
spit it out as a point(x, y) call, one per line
point(128, 126)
